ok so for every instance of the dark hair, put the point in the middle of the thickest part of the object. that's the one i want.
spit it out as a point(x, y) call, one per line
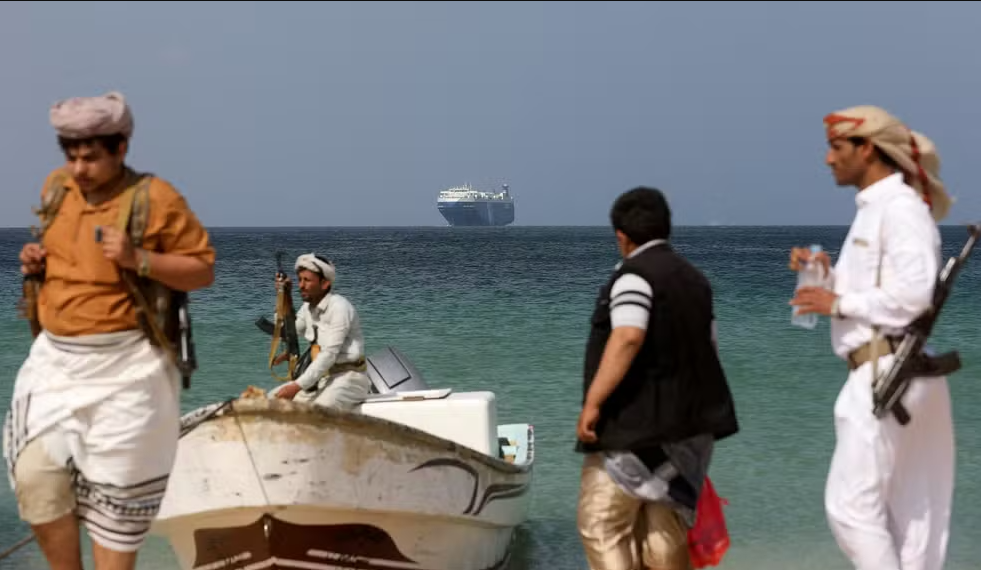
point(642, 214)
point(883, 157)
point(111, 143)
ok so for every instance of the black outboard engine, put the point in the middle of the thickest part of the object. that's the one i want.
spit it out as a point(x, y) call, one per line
point(390, 371)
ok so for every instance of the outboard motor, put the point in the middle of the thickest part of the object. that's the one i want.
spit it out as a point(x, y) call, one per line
point(390, 371)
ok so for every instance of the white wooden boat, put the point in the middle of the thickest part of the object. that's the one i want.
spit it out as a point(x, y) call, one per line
point(415, 479)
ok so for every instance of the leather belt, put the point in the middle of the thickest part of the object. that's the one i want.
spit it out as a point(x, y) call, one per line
point(358, 365)
point(863, 354)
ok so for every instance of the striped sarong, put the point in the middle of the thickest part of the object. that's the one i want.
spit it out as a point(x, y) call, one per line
point(107, 409)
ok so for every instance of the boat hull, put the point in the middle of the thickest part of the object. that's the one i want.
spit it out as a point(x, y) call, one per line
point(316, 539)
point(477, 213)
point(277, 484)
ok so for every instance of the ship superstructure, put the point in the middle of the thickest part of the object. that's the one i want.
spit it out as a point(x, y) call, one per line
point(466, 206)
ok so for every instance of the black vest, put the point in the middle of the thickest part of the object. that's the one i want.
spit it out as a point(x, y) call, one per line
point(675, 388)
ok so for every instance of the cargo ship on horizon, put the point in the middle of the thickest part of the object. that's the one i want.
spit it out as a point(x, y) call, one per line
point(465, 206)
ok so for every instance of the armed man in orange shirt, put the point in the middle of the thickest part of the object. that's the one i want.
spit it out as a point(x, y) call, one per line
point(93, 426)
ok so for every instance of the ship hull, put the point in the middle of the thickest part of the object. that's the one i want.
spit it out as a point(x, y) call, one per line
point(475, 213)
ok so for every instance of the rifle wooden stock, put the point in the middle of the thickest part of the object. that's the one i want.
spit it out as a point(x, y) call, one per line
point(284, 330)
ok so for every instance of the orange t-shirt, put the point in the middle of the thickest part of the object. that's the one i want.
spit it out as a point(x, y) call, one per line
point(83, 292)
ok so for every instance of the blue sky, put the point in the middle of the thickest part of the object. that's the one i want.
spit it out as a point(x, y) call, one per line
point(357, 114)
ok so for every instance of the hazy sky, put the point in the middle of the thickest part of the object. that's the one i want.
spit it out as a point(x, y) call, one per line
point(340, 114)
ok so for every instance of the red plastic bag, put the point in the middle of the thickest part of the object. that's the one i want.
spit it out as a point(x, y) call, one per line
point(708, 540)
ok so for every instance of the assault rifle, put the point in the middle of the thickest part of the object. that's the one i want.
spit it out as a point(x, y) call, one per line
point(288, 315)
point(284, 329)
point(910, 361)
point(267, 326)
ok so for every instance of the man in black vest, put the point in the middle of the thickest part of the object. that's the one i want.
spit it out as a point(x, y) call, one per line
point(655, 398)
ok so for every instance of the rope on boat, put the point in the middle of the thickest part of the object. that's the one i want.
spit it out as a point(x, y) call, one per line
point(196, 418)
point(192, 421)
point(17, 546)
point(255, 467)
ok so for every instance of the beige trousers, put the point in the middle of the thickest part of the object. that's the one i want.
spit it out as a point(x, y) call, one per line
point(344, 391)
point(620, 532)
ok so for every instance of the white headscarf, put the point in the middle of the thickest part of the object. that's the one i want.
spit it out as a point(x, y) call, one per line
point(914, 153)
point(317, 264)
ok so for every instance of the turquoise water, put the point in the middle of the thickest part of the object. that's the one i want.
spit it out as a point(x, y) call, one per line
point(506, 309)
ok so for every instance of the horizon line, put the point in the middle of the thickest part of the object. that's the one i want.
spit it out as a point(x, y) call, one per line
point(423, 226)
point(529, 226)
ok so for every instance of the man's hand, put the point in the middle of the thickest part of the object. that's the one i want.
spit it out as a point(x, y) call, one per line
point(288, 391)
point(32, 258)
point(283, 280)
point(586, 430)
point(814, 300)
point(621, 348)
point(281, 358)
point(117, 247)
point(801, 255)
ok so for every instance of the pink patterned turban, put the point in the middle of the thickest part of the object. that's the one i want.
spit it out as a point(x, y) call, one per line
point(86, 117)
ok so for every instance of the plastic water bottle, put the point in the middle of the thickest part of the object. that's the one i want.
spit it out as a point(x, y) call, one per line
point(811, 274)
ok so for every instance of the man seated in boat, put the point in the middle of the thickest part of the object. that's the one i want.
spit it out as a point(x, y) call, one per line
point(336, 376)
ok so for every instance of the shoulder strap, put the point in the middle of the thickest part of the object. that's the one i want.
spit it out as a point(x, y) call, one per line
point(133, 209)
point(125, 209)
point(140, 210)
point(54, 195)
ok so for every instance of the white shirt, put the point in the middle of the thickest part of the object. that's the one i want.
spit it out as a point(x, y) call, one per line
point(334, 324)
point(892, 221)
point(631, 296)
